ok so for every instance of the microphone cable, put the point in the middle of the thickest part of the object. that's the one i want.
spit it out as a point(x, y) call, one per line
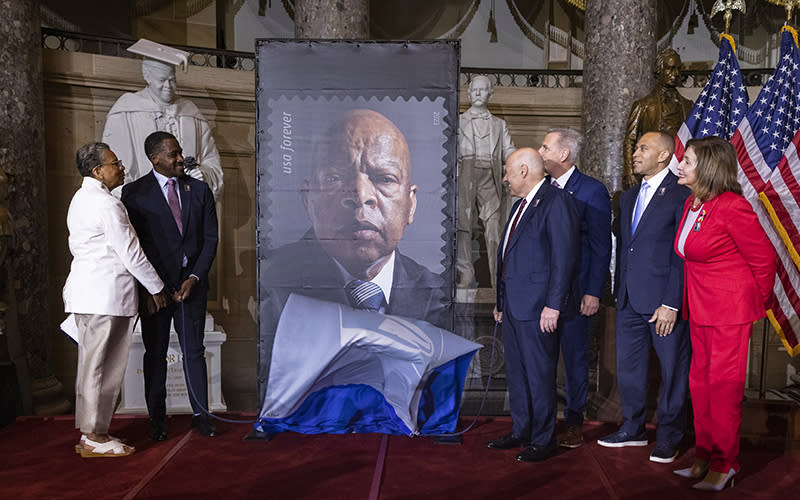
point(483, 398)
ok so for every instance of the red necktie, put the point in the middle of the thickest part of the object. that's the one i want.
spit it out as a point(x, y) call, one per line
point(511, 233)
point(174, 204)
point(514, 223)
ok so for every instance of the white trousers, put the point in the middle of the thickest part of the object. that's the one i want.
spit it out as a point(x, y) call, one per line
point(103, 346)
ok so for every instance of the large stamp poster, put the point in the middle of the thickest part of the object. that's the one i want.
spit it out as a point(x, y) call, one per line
point(356, 157)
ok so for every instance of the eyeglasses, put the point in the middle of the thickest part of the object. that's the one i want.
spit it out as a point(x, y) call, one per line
point(117, 164)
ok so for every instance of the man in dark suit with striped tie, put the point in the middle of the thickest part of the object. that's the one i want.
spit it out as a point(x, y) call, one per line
point(536, 291)
point(359, 198)
point(176, 220)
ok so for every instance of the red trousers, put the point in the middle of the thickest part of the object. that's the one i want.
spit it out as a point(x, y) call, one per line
point(716, 383)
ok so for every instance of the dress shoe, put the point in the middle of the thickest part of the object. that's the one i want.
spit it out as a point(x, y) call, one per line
point(726, 478)
point(158, 429)
point(573, 438)
point(621, 439)
point(204, 426)
point(700, 466)
point(506, 442)
point(537, 453)
point(664, 454)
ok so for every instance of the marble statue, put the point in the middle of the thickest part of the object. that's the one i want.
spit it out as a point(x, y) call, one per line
point(663, 109)
point(136, 115)
point(484, 144)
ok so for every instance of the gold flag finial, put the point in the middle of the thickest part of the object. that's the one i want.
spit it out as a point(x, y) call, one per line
point(789, 5)
point(728, 6)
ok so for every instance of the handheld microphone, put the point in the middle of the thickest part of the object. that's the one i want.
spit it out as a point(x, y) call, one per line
point(189, 163)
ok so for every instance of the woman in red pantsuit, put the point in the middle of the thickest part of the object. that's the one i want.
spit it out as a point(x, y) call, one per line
point(729, 273)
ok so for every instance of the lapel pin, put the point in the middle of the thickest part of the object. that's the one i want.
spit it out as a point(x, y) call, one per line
point(661, 191)
point(186, 187)
point(536, 202)
point(700, 219)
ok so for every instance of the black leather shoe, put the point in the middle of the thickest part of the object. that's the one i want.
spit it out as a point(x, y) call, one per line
point(203, 425)
point(506, 442)
point(537, 453)
point(158, 429)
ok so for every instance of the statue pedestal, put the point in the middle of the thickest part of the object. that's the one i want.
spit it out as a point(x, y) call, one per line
point(475, 322)
point(133, 400)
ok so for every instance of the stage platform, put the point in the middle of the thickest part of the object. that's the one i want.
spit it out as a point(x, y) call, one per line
point(37, 461)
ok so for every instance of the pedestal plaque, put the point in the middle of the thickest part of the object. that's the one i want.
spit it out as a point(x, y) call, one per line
point(133, 400)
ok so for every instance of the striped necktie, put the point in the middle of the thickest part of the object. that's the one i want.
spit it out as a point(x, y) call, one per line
point(365, 295)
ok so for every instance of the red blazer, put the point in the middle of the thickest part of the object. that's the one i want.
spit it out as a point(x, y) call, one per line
point(729, 268)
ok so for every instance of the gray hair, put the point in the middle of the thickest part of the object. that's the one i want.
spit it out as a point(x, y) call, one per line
point(491, 85)
point(88, 157)
point(149, 66)
point(569, 138)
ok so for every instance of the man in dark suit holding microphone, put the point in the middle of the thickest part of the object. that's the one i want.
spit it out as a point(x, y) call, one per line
point(176, 220)
point(648, 288)
point(536, 289)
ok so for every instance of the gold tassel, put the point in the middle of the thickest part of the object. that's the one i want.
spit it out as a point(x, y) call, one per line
point(492, 28)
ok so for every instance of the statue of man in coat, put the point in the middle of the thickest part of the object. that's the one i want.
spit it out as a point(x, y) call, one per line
point(484, 144)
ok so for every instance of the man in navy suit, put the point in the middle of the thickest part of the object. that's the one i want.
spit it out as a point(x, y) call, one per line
point(536, 290)
point(649, 284)
point(560, 150)
point(176, 220)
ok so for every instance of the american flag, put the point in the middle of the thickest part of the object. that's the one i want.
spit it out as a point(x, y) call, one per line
point(720, 106)
point(760, 141)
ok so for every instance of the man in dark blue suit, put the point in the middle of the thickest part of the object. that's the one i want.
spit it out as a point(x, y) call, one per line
point(536, 290)
point(560, 150)
point(649, 284)
point(176, 220)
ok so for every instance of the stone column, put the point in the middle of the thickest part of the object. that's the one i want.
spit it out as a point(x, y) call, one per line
point(620, 51)
point(22, 159)
point(327, 19)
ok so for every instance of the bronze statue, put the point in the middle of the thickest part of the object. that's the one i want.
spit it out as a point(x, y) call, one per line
point(484, 144)
point(662, 109)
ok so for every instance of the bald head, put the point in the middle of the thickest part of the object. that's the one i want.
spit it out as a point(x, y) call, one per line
point(524, 169)
point(653, 153)
point(360, 197)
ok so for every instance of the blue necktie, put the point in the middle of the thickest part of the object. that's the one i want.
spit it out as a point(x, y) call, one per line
point(365, 295)
point(639, 208)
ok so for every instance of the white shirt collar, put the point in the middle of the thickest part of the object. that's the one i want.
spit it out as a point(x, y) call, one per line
point(529, 196)
point(657, 179)
point(562, 181)
point(162, 180)
point(384, 278)
point(92, 182)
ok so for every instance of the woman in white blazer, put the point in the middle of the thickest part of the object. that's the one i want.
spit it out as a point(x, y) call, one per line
point(101, 292)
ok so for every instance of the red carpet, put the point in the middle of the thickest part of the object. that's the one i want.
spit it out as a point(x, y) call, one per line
point(37, 462)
